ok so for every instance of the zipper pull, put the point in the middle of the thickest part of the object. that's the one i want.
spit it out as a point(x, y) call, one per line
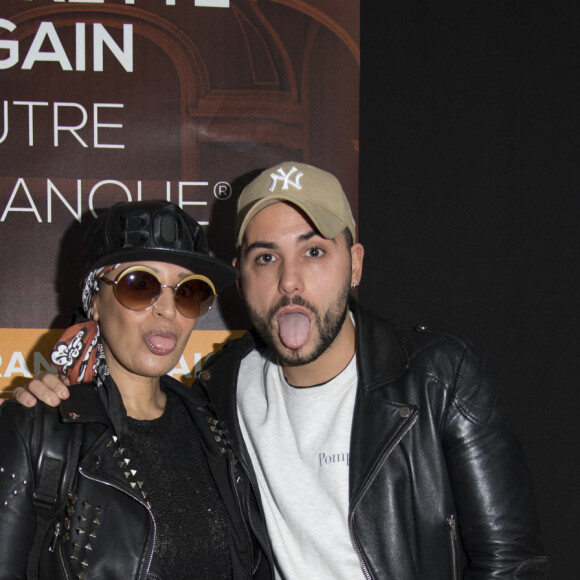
point(55, 535)
point(452, 526)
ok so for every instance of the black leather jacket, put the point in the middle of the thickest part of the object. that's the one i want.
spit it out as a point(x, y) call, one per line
point(439, 489)
point(107, 529)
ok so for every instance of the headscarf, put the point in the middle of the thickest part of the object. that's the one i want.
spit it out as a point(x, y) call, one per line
point(79, 354)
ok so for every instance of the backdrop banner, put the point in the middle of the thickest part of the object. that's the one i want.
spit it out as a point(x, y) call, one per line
point(112, 100)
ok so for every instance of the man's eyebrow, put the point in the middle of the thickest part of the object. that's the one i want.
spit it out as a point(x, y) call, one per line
point(259, 246)
point(313, 234)
point(307, 236)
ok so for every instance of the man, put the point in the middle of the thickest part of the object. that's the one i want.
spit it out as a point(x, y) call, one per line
point(378, 451)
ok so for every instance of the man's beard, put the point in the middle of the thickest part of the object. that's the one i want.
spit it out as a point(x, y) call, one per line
point(328, 327)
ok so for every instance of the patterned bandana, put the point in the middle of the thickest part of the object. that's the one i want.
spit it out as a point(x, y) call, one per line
point(79, 354)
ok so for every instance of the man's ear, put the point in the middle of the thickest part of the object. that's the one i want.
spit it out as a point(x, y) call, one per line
point(236, 265)
point(357, 253)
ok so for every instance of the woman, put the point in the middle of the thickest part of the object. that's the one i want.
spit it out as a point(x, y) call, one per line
point(149, 491)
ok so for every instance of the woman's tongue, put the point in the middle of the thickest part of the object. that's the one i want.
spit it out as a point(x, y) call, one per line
point(294, 329)
point(161, 342)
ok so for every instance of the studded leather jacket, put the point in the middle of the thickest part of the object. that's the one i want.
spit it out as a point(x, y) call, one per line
point(439, 488)
point(107, 529)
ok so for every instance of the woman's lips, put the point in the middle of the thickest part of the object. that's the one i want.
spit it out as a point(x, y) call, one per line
point(161, 342)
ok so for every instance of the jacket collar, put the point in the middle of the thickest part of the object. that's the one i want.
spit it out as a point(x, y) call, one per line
point(379, 353)
point(382, 415)
point(84, 405)
point(88, 403)
point(380, 359)
point(220, 375)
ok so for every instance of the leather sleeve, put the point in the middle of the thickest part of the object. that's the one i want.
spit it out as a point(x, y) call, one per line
point(17, 515)
point(497, 516)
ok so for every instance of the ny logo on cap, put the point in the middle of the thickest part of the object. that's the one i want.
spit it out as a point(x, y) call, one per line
point(285, 178)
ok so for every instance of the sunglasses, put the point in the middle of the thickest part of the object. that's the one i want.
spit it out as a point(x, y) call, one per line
point(139, 288)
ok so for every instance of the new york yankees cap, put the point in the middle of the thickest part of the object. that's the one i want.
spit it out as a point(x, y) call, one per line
point(316, 192)
point(155, 230)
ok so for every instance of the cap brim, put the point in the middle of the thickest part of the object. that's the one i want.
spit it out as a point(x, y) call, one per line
point(326, 224)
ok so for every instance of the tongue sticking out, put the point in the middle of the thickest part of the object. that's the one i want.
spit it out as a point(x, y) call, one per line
point(161, 342)
point(294, 329)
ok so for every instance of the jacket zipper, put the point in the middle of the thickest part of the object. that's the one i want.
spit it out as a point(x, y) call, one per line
point(55, 535)
point(62, 563)
point(56, 547)
point(235, 484)
point(92, 478)
point(390, 449)
point(453, 545)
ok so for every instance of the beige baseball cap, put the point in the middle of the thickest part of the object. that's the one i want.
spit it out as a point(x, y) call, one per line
point(316, 192)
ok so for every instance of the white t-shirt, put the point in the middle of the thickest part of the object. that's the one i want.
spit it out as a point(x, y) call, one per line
point(299, 440)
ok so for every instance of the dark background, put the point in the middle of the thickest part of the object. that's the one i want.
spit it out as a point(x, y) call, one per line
point(469, 180)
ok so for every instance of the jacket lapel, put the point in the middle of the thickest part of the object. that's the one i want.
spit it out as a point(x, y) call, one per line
point(381, 419)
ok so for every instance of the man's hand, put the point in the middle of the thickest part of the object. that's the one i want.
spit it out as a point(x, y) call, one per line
point(47, 387)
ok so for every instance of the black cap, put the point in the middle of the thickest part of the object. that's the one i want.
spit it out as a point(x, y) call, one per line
point(153, 230)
